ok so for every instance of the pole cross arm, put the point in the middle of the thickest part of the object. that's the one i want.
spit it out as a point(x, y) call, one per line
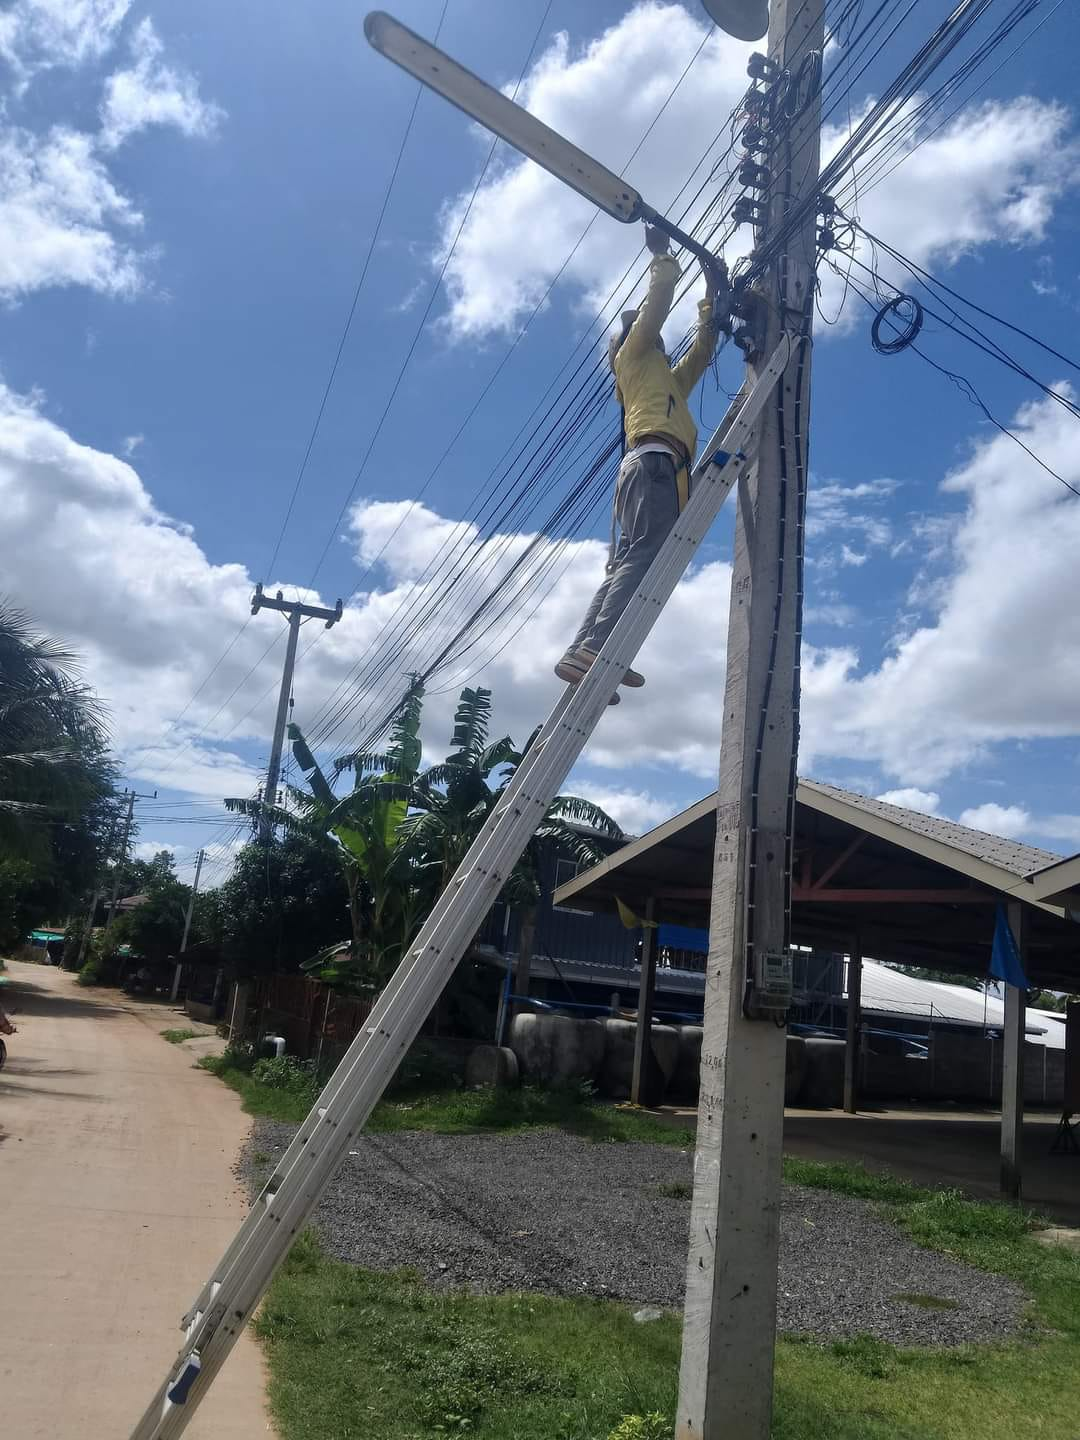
point(261, 601)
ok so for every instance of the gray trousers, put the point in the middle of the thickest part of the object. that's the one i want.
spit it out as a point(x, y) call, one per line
point(646, 507)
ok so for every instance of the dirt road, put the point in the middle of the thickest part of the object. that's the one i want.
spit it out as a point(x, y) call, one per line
point(116, 1198)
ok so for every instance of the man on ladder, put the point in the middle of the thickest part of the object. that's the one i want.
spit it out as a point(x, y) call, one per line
point(660, 438)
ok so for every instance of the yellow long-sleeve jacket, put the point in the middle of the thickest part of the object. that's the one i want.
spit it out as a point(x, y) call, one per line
point(653, 393)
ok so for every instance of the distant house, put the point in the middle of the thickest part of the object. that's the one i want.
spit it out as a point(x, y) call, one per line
point(131, 902)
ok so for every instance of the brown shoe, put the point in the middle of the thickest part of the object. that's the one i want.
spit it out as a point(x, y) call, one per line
point(576, 664)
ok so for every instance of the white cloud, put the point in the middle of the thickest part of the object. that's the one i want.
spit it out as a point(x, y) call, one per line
point(62, 219)
point(93, 559)
point(151, 92)
point(634, 810)
point(926, 802)
point(38, 35)
point(837, 513)
point(999, 658)
point(603, 97)
point(147, 849)
point(1012, 821)
point(990, 176)
point(1059, 827)
point(130, 444)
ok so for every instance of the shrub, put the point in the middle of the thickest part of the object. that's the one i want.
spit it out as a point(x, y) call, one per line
point(238, 1057)
point(653, 1426)
point(283, 1072)
point(92, 970)
point(459, 1382)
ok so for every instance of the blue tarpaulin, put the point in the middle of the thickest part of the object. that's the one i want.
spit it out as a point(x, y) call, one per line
point(682, 937)
point(1005, 963)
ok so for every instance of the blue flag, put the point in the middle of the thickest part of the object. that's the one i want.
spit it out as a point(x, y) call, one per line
point(1005, 961)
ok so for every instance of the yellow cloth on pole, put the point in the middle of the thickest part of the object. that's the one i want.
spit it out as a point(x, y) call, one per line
point(632, 921)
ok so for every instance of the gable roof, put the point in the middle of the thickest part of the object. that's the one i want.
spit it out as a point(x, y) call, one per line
point(894, 865)
point(1007, 857)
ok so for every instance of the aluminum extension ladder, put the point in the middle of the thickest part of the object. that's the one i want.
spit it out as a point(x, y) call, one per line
point(230, 1296)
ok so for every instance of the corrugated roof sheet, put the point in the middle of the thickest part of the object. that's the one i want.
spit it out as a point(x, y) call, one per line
point(1010, 855)
point(891, 991)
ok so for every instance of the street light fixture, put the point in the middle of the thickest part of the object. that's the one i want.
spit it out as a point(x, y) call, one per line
point(510, 122)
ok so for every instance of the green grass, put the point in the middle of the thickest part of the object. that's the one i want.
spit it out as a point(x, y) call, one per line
point(352, 1353)
point(177, 1037)
point(263, 1100)
point(676, 1189)
point(463, 1112)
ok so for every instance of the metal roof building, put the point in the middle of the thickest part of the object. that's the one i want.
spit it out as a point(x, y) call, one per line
point(873, 878)
point(914, 888)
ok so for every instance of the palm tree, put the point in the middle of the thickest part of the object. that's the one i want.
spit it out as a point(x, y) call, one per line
point(51, 738)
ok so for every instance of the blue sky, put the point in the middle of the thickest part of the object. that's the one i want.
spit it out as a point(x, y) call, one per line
point(186, 199)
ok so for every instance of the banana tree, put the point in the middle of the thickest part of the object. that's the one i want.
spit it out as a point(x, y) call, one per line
point(452, 801)
point(385, 888)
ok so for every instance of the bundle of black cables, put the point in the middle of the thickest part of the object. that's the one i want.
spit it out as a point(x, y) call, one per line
point(907, 310)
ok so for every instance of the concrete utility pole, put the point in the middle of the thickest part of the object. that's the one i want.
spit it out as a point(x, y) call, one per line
point(98, 895)
point(726, 1379)
point(296, 611)
point(187, 925)
point(114, 899)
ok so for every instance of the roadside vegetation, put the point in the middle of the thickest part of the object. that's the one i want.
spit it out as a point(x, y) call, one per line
point(354, 1352)
point(285, 1089)
point(57, 781)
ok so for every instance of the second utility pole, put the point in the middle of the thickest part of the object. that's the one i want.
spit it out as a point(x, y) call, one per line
point(117, 872)
point(729, 1330)
point(296, 611)
point(187, 927)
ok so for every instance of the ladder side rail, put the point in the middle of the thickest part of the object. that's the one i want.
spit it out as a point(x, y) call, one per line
point(446, 934)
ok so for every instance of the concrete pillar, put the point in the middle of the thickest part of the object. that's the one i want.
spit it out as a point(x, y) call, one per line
point(640, 1087)
point(854, 1022)
point(1012, 1069)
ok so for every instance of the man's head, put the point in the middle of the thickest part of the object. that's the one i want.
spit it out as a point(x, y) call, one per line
point(626, 320)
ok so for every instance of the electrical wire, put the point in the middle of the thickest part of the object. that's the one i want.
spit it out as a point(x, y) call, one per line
point(848, 12)
point(352, 308)
point(851, 11)
point(424, 317)
point(967, 388)
point(322, 405)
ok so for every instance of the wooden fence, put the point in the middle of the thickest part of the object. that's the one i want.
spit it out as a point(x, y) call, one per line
point(317, 1022)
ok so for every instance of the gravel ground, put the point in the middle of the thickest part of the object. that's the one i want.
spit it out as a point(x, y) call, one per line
point(551, 1212)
